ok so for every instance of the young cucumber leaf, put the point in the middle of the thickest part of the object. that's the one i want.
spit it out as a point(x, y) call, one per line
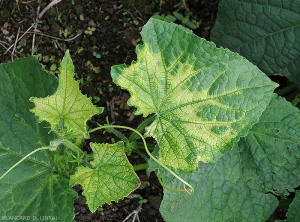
point(34, 188)
point(67, 107)
point(240, 185)
point(265, 32)
point(110, 178)
point(204, 98)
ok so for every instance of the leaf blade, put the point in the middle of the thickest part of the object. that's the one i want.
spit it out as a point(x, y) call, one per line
point(26, 189)
point(67, 105)
point(264, 32)
point(181, 79)
point(274, 142)
point(241, 184)
point(110, 178)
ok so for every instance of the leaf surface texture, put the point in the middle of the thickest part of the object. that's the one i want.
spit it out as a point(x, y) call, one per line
point(265, 32)
point(110, 177)
point(67, 107)
point(240, 185)
point(32, 188)
point(204, 98)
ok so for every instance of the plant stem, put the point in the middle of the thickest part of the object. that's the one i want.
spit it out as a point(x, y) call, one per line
point(72, 146)
point(286, 90)
point(141, 127)
point(142, 166)
point(21, 160)
point(189, 190)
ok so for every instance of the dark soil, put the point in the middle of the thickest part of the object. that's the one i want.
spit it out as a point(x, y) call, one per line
point(99, 34)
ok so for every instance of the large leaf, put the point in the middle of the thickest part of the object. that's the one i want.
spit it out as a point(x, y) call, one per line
point(110, 178)
point(204, 98)
point(265, 32)
point(67, 107)
point(240, 185)
point(34, 188)
point(221, 194)
point(274, 144)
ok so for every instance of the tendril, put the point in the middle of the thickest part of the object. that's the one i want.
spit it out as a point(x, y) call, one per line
point(25, 157)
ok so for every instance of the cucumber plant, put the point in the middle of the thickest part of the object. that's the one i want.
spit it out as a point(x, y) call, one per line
point(224, 140)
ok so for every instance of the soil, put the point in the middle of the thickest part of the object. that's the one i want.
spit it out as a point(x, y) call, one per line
point(99, 34)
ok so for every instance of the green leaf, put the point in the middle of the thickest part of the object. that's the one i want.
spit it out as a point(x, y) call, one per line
point(293, 213)
point(34, 188)
point(265, 32)
point(67, 107)
point(274, 141)
point(221, 194)
point(204, 98)
point(179, 16)
point(241, 184)
point(191, 25)
point(170, 18)
point(110, 178)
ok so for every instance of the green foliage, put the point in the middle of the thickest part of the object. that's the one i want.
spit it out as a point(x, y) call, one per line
point(220, 131)
point(185, 18)
point(243, 182)
point(265, 32)
point(41, 178)
point(44, 176)
point(163, 17)
point(187, 87)
point(110, 176)
point(67, 107)
point(89, 30)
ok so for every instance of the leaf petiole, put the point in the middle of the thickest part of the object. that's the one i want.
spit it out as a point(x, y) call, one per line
point(72, 146)
point(141, 127)
point(141, 166)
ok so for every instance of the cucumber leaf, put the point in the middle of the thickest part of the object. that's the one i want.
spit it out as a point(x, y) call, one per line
point(204, 98)
point(241, 185)
point(67, 107)
point(34, 188)
point(274, 142)
point(110, 177)
point(221, 194)
point(265, 32)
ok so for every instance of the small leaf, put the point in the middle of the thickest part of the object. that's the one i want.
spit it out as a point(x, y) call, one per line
point(179, 16)
point(265, 32)
point(170, 18)
point(204, 98)
point(110, 178)
point(191, 25)
point(67, 107)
